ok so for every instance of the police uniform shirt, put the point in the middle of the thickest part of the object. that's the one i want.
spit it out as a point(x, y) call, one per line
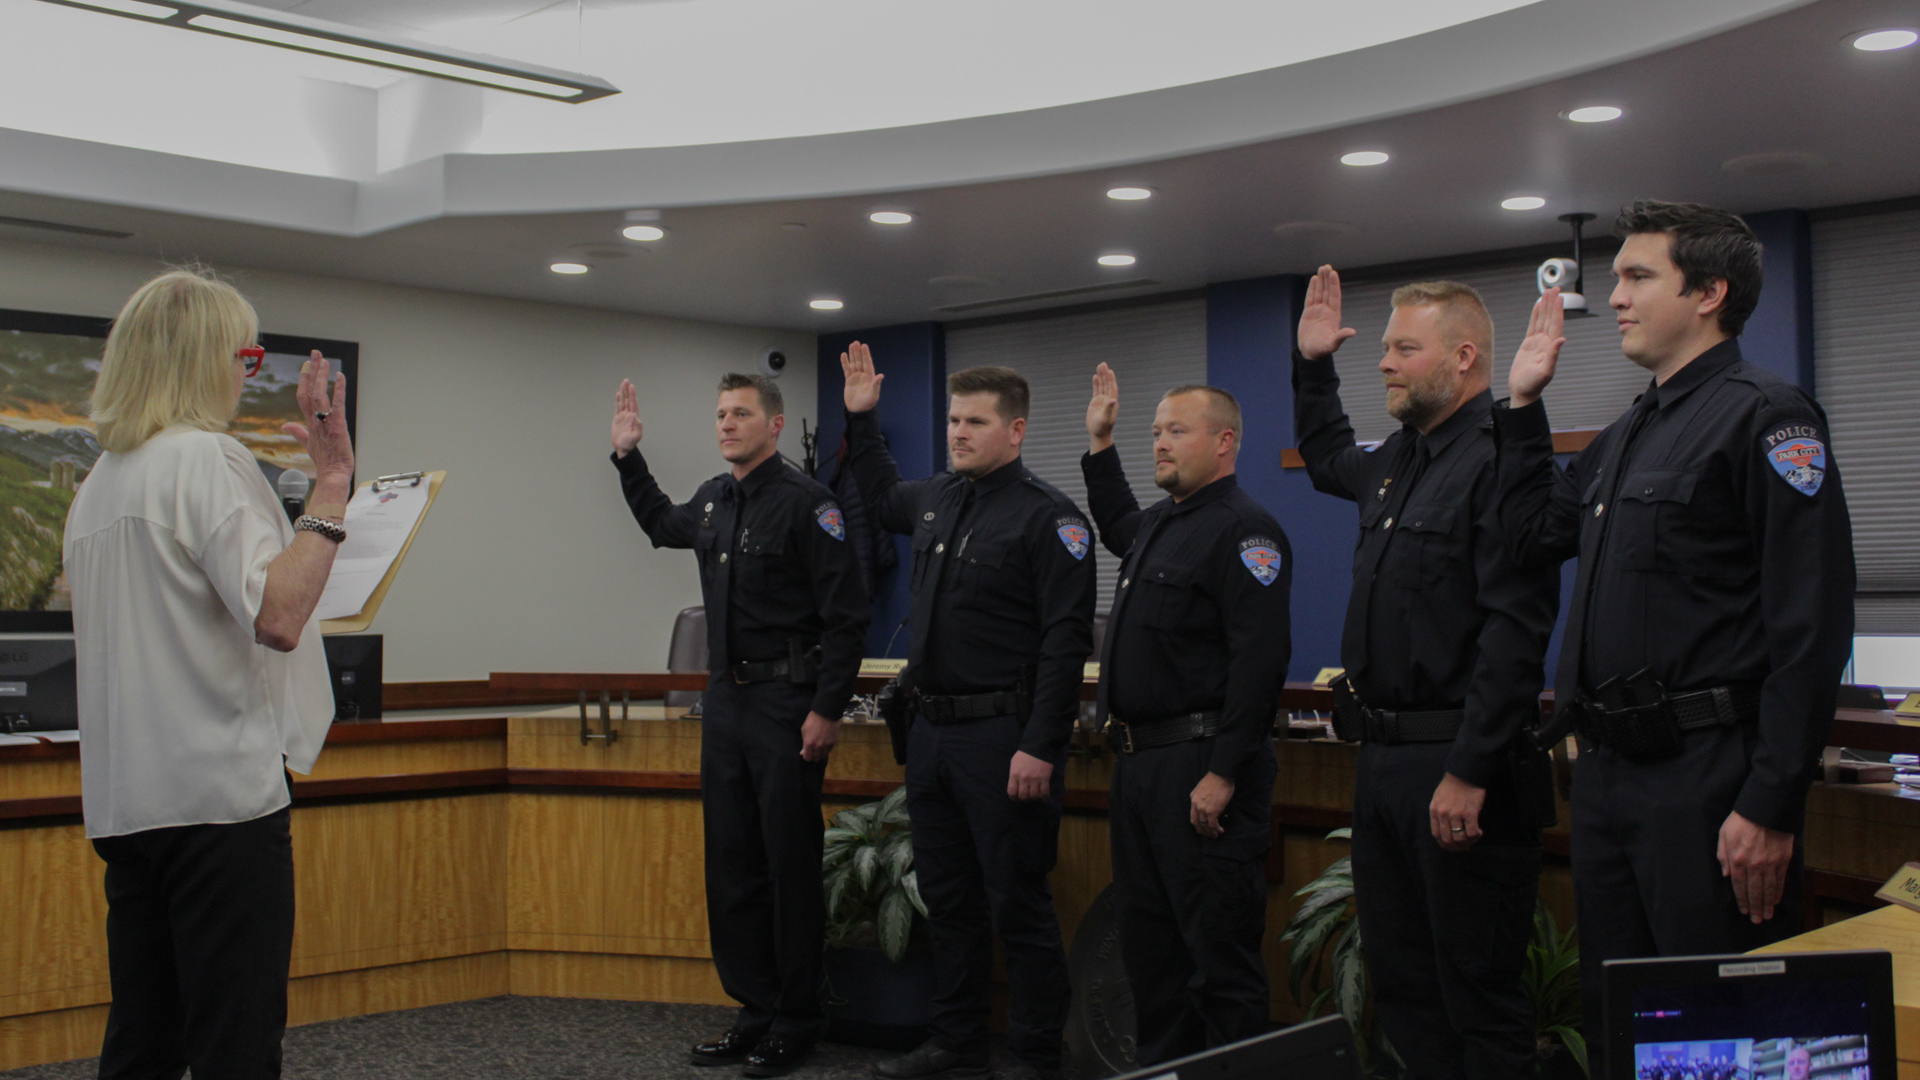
point(1002, 582)
point(1199, 620)
point(1715, 550)
point(1440, 617)
point(774, 565)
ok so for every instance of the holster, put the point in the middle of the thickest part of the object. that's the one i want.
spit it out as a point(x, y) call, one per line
point(803, 661)
point(1349, 724)
point(895, 703)
point(1531, 770)
point(1632, 716)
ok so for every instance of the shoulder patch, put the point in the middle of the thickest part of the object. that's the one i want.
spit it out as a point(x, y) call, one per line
point(828, 516)
point(1073, 532)
point(1261, 556)
point(1798, 452)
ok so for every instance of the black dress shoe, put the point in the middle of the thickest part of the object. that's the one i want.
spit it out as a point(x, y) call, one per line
point(935, 1062)
point(777, 1055)
point(734, 1046)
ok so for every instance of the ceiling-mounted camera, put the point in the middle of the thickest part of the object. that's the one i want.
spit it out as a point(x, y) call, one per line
point(1566, 273)
point(773, 361)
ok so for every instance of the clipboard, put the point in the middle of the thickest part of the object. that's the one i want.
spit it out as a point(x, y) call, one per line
point(355, 624)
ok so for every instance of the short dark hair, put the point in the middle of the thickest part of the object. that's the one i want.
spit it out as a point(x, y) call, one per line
point(1223, 409)
point(770, 398)
point(1705, 243)
point(1015, 397)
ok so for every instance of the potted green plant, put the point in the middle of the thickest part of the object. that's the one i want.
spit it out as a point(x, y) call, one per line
point(1553, 984)
point(1323, 954)
point(879, 988)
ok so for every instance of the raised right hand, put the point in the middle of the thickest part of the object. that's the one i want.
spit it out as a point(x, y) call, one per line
point(1103, 409)
point(626, 418)
point(862, 393)
point(1533, 365)
point(1321, 334)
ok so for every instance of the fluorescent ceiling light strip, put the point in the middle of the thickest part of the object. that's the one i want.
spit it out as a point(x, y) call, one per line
point(132, 7)
point(273, 35)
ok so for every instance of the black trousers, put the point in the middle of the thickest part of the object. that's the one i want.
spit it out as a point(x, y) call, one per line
point(199, 936)
point(760, 803)
point(1646, 871)
point(982, 861)
point(1192, 910)
point(1444, 933)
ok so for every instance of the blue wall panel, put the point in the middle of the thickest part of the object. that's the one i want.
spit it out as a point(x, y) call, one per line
point(913, 414)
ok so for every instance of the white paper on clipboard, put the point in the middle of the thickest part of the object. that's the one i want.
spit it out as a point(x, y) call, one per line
point(378, 524)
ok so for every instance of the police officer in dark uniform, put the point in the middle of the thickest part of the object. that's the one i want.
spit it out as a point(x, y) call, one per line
point(786, 625)
point(1443, 646)
point(1712, 612)
point(1190, 675)
point(1002, 623)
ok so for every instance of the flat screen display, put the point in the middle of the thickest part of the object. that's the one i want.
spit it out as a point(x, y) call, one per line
point(1754, 1029)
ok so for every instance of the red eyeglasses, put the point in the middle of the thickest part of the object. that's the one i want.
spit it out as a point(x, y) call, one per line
point(254, 356)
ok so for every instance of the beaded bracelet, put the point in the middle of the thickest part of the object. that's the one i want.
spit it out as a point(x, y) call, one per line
point(322, 526)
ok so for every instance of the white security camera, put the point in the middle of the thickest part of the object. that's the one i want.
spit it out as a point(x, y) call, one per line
point(1564, 273)
point(773, 361)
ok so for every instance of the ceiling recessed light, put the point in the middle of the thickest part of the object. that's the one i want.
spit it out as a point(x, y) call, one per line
point(825, 305)
point(889, 217)
point(568, 268)
point(643, 233)
point(1523, 202)
point(1116, 260)
point(1129, 194)
point(1592, 114)
point(1885, 40)
point(1364, 157)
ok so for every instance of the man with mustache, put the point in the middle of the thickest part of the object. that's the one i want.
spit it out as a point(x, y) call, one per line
point(1443, 645)
point(1002, 623)
point(1190, 674)
point(786, 624)
point(1712, 612)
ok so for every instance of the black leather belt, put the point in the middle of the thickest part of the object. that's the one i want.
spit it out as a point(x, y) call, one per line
point(757, 671)
point(1692, 710)
point(1388, 727)
point(960, 708)
point(1131, 738)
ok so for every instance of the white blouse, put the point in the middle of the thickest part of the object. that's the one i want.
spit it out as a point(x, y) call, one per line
point(184, 720)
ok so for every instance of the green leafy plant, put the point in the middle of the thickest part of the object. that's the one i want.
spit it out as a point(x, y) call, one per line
point(1335, 975)
point(1552, 976)
point(873, 894)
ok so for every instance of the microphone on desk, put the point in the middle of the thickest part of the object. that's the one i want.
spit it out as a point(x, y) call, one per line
point(293, 485)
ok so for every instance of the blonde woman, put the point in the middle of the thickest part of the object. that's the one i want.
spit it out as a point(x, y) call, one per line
point(201, 679)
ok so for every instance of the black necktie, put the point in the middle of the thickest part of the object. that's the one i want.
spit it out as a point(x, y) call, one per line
point(1127, 570)
point(933, 577)
point(1567, 681)
point(1399, 485)
point(725, 511)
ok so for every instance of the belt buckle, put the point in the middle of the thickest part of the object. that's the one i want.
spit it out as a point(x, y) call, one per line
point(738, 673)
point(1126, 731)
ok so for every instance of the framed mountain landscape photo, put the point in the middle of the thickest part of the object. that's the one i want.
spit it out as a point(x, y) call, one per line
point(48, 364)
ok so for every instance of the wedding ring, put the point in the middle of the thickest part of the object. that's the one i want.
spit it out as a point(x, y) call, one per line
point(321, 415)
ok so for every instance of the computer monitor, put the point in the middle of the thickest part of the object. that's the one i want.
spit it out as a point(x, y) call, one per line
point(1779, 1016)
point(1319, 1050)
point(37, 688)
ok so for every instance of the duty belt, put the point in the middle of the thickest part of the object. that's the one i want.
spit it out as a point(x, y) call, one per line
point(959, 708)
point(1131, 738)
point(758, 671)
point(1628, 729)
point(1388, 727)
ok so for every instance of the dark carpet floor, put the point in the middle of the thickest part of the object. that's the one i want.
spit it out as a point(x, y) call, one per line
point(515, 1038)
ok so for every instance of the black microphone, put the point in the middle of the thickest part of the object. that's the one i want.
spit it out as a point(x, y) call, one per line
point(293, 485)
